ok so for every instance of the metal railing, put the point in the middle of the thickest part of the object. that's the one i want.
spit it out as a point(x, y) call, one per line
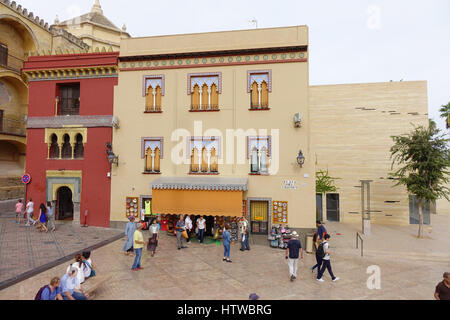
point(204, 107)
point(263, 106)
point(13, 127)
point(359, 238)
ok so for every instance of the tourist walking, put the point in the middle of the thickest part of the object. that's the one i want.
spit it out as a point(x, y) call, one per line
point(201, 225)
point(154, 234)
point(189, 227)
point(442, 291)
point(321, 231)
point(50, 217)
point(226, 243)
point(138, 245)
point(180, 228)
point(319, 257)
point(51, 291)
point(294, 251)
point(19, 209)
point(42, 218)
point(70, 282)
point(130, 228)
point(245, 234)
point(30, 210)
point(326, 264)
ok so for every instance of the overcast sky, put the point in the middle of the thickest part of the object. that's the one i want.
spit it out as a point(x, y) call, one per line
point(351, 41)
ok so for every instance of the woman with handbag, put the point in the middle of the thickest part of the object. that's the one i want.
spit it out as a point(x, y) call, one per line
point(154, 235)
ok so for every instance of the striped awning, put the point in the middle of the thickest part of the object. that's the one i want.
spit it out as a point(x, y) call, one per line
point(202, 184)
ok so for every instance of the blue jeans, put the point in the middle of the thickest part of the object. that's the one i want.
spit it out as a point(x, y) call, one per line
point(201, 234)
point(226, 250)
point(244, 244)
point(76, 296)
point(137, 259)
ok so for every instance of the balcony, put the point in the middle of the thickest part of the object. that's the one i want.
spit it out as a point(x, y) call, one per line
point(204, 108)
point(13, 127)
point(262, 106)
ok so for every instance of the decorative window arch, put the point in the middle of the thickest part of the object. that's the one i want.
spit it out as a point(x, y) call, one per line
point(152, 152)
point(79, 147)
point(54, 150)
point(204, 89)
point(205, 154)
point(259, 151)
point(66, 151)
point(153, 91)
point(259, 87)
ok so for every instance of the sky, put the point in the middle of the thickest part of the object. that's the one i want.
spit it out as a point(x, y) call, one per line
point(351, 41)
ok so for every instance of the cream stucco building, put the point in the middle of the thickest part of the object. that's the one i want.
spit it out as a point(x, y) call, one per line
point(180, 102)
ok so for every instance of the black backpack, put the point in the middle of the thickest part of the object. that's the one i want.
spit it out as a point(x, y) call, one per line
point(321, 251)
point(39, 294)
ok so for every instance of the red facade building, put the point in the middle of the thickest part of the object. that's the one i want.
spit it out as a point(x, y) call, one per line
point(70, 122)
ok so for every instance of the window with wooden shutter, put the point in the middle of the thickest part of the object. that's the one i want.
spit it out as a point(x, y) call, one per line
point(69, 100)
point(3, 55)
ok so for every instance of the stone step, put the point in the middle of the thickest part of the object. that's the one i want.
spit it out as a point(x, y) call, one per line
point(392, 255)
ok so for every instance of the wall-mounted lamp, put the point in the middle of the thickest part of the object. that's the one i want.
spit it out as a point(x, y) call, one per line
point(301, 158)
point(112, 158)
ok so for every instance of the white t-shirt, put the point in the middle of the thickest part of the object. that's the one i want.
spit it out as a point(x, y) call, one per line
point(30, 207)
point(325, 248)
point(154, 229)
point(201, 223)
point(188, 222)
point(87, 270)
point(80, 271)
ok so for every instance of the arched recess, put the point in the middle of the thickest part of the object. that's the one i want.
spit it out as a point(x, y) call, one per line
point(31, 43)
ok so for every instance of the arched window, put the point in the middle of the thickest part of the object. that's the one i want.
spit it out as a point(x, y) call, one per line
point(66, 148)
point(157, 160)
point(79, 147)
point(264, 95)
point(214, 161)
point(149, 100)
point(205, 97)
point(54, 147)
point(204, 160)
point(263, 161)
point(254, 161)
point(194, 160)
point(148, 160)
point(195, 98)
point(214, 97)
point(158, 99)
point(255, 96)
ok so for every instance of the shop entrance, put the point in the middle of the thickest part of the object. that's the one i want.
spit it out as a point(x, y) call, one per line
point(259, 215)
point(64, 204)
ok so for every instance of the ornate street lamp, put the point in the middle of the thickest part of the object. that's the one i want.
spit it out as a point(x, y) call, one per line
point(301, 158)
point(112, 158)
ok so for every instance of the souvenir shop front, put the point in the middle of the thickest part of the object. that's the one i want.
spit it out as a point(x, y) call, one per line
point(218, 200)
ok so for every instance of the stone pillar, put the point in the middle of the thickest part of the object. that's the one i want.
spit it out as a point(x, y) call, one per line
point(76, 214)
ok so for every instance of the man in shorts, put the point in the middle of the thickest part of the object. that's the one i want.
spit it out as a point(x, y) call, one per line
point(19, 209)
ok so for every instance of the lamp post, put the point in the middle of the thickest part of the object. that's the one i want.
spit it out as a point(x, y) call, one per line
point(112, 158)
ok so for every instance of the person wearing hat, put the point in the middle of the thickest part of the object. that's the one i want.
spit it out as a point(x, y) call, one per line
point(129, 233)
point(138, 245)
point(293, 252)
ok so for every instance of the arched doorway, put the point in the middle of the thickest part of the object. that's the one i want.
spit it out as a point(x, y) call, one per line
point(64, 204)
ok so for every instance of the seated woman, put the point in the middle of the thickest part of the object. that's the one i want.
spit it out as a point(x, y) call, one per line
point(88, 265)
point(79, 265)
point(52, 291)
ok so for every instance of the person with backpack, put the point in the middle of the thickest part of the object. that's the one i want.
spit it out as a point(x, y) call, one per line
point(326, 261)
point(51, 291)
point(321, 231)
point(318, 248)
point(89, 268)
point(293, 252)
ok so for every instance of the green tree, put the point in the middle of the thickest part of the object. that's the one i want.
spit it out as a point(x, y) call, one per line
point(445, 113)
point(423, 157)
point(325, 183)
